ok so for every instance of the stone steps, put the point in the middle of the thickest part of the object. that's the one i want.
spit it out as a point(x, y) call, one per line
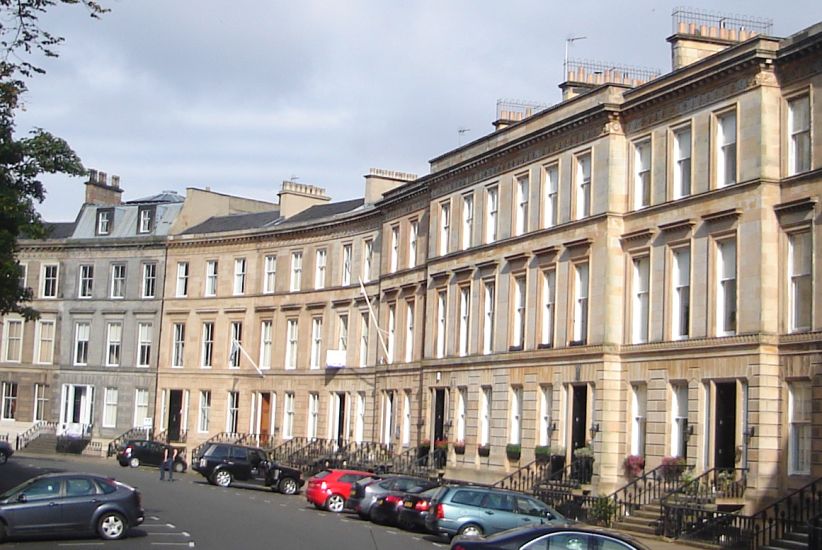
point(44, 444)
point(644, 520)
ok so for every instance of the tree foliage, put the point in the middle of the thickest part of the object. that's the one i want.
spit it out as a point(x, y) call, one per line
point(24, 159)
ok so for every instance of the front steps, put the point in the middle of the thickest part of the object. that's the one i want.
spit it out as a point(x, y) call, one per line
point(44, 444)
point(796, 539)
point(644, 521)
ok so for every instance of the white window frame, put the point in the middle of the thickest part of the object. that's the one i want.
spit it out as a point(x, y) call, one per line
point(82, 332)
point(799, 135)
point(346, 267)
point(111, 396)
point(364, 337)
point(49, 285)
point(232, 411)
point(639, 405)
point(581, 305)
point(395, 249)
point(642, 173)
point(239, 276)
point(270, 274)
point(582, 182)
point(413, 236)
point(726, 287)
point(316, 342)
point(489, 314)
point(148, 286)
point(640, 299)
point(515, 416)
point(144, 341)
point(391, 332)
point(204, 411)
point(313, 415)
point(320, 258)
point(444, 233)
point(467, 220)
point(799, 427)
point(13, 340)
point(9, 392)
point(683, 151)
point(141, 402)
point(266, 343)
point(726, 149)
point(104, 221)
point(288, 415)
point(547, 311)
point(461, 410)
point(523, 194)
point(291, 341)
point(114, 343)
point(464, 320)
point(518, 311)
point(236, 341)
point(212, 272)
point(550, 215)
point(681, 293)
point(145, 220)
point(342, 336)
point(409, 330)
point(485, 415)
point(442, 323)
point(118, 281)
point(85, 289)
point(679, 417)
point(41, 400)
point(207, 346)
point(368, 258)
point(800, 282)
point(491, 214)
point(178, 345)
point(44, 342)
point(182, 280)
point(546, 405)
point(296, 271)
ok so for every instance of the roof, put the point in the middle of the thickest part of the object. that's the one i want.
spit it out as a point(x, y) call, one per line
point(325, 210)
point(58, 230)
point(165, 196)
point(234, 222)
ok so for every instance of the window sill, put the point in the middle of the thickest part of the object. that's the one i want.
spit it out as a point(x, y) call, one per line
point(545, 346)
point(574, 343)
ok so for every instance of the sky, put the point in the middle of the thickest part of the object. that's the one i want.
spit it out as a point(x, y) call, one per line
point(239, 96)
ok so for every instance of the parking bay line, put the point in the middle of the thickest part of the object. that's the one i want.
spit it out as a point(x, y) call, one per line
point(181, 534)
point(189, 544)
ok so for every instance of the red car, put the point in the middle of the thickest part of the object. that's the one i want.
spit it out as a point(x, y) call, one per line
point(330, 489)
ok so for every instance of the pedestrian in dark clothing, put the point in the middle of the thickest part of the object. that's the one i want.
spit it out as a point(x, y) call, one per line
point(169, 455)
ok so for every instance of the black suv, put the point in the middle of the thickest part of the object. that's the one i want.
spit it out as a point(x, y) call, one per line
point(224, 463)
point(143, 451)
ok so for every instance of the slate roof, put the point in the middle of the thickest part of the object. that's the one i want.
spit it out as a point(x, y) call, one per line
point(59, 230)
point(235, 222)
point(325, 210)
point(165, 196)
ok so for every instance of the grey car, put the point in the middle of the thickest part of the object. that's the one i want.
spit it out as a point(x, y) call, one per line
point(365, 492)
point(470, 510)
point(68, 503)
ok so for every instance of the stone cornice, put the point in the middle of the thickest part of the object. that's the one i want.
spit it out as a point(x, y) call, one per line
point(730, 213)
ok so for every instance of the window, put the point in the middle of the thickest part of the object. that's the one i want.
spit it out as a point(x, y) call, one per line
point(461, 399)
point(118, 281)
point(413, 235)
point(467, 220)
point(288, 416)
point(642, 174)
point(265, 345)
point(491, 211)
point(296, 271)
point(580, 321)
point(239, 276)
point(682, 162)
point(464, 320)
point(392, 332)
point(291, 344)
point(232, 412)
point(9, 396)
point(387, 417)
point(583, 186)
point(359, 421)
point(145, 217)
point(395, 249)
point(640, 302)
point(140, 407)
point(40, 402)
point(207, 352)
point(346, 267)
point(488, 316)
point(319, 269)
point(364, 339)
point(104, 219)
point(24, 271)
point(522, 205)
point(81, 335)
point(549, 291)
point(182, 279)
point(726, 149)
point(800, 258)
point(551, 205)
point(368, 256)
point(445, 227)
point(44, 354)
point(205, 411)
point(86, 281)
point(114, 339)
point(149, 280)
point(409, 331)
point(679, 419)
point(178, 350)
point(799, 427)
point(681, 293)
point(406, 419)
point(342, 323)
point(110, 408)
point(143, 344)
point(726, 287)
point(49, 278)
point(639, 398)
point(235, 344)
point(316, 341)
point(485, 416)
point(518, 314)
point(546, 404)
point(13, 340)
point(313, 414)
point(270, 275)
point(799, 135)
point(442, 312)
point(211, 278)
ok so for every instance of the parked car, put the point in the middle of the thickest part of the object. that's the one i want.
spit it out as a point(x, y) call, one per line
point(225, 464)
point(411, 515)
point(474, 510)
point(143, 451)
point(5, 451)
point(68, 503)
point(328, 489)
point(549, 538)
point(387, 505)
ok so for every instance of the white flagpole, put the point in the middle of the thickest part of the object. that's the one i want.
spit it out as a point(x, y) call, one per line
point(247, 356)
point(374, 318)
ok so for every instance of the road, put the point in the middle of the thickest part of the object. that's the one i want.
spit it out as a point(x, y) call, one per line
point(190, 513)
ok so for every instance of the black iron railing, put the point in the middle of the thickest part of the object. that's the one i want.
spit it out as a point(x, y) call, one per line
point(23, 439)
point(282, 451)
point(648, 488)
point(815, 532)
point(790, 513)
point(318, 454)
point(693, 507)
point(413, 461)
point(369, 455)
point(264, 441)
point(222, 437)
point(118, 442)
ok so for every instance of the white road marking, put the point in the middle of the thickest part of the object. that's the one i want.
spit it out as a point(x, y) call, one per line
point(189, 544)
point(155, 518)
point(267, 501)
point(183, 534)
point(79, 544)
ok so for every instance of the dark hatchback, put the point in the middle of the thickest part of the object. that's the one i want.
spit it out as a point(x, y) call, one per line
point(411, 515)
point(151, 453)
point(387, 506)
point(226, 464)
point(549, 538)
point(67, 504)
point(5, 451)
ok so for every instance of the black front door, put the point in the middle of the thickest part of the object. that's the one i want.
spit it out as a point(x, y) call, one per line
point(341, 435)
point(580, 417)
point(725, 427)
point(175, 409)
point(439, 414)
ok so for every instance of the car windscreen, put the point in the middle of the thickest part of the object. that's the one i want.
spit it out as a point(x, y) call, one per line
point(320, 475)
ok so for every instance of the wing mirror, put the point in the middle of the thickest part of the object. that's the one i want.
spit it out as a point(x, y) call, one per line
point(22, 497)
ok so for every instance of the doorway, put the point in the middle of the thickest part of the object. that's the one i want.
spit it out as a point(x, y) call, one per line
point(439, 414)
point(579, 419)
point(175, 409)
point(725, 425)
point(339, 421)
point(265, 414)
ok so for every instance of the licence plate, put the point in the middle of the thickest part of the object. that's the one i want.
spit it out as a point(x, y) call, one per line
point(380, 501)
point(408, 504)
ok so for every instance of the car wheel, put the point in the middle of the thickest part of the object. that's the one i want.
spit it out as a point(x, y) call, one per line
point(374, 516)
point(470, 530)
point(179, 467)
point(288, 486)
point(335, 503)
point(134, 462)
point(111, 526)
point(123, 464)
point(222, 478)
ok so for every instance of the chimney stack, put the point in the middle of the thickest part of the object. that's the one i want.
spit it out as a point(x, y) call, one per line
point(379, 181)
point(99, 192)
point(296, 197)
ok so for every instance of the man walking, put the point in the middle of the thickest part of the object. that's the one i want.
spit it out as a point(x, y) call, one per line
point(169, 455)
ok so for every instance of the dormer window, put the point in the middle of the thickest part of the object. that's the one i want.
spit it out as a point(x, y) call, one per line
point(105, 219)
point(145, 219)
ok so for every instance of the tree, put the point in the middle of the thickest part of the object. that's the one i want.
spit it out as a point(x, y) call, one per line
point(23, 160)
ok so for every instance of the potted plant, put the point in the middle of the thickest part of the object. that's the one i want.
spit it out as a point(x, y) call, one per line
point(583, 466)
point(459, 447)
point(542, 454)
point(633, 465)
point(557, 462)
point(423, 448)
point(513, 451)
point(672, 467)
point(484, 450)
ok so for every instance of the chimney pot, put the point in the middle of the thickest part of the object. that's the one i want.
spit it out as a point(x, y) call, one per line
point(102, 178)
point(115, 181)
